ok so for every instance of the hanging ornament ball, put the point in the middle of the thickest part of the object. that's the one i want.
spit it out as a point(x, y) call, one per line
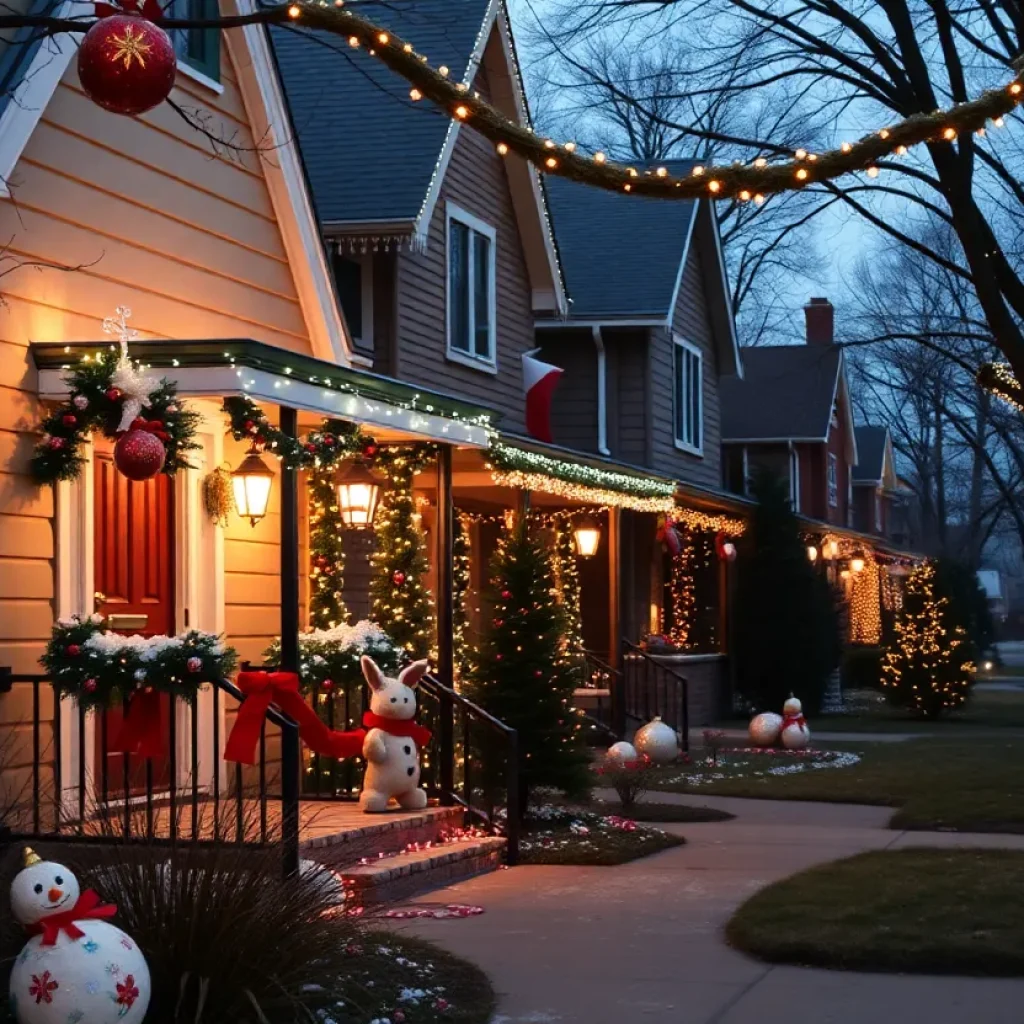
point(506, 594)
point(112, 394)
point(80, 402)
point(194, 664)
point(622, 751)
point(398, 577)
point(139, 454)
point(369, 450)
point(658, 741)
point(126, 64)
point(73, 650)
point(89, 686)
point(69, 419)
point(765, 729)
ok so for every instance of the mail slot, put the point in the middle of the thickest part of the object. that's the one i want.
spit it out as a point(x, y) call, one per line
point(125, 622)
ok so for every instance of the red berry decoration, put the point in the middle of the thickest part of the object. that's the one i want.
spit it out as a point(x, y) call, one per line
point(73, 650)
point(139, 454)
point(327, 684)
point(69, 419)
point(112, 394)
point(127, 64)
point(498, 623)
point(369, 450)
point(398, 577)
point(194, 664)
point(56, 442)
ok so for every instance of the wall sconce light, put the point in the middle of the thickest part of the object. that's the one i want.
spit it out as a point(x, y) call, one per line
point(857, 563)
point(587, 536)
point(251, 484)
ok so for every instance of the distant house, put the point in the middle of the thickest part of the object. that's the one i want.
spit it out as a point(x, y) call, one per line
point(790, 413)
point(879, 500)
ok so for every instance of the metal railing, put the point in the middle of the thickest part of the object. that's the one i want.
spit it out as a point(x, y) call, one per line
point(596, 696)
point(649, 688)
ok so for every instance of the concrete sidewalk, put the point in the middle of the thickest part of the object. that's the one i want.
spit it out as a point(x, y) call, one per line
point(643, 941)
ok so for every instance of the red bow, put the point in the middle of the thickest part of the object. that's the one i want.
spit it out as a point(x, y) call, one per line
point(140, 728)
point(154, 427)
point(150, 9)
point(87, 907)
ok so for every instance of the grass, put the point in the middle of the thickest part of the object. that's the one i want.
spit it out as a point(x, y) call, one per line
point(970, 784)
point(565, 835)
point(914, 910)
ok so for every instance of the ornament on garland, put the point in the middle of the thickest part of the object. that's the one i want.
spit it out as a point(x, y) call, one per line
point(668, 536)
point(108, 396)
point(218, 499)
point(76, 966)
point(126, 62)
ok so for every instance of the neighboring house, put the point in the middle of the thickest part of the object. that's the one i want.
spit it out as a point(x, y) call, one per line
point(991, 582)
point(791, 414)
point(878, 499)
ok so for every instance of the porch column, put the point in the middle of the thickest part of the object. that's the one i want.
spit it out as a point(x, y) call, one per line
point(522, 504)
point(290, 759)
point(445, 618)
point(615, 659)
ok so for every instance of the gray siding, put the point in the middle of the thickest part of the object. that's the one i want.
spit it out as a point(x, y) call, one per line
point(574, 410)
point(630, 414)
point(475, 181)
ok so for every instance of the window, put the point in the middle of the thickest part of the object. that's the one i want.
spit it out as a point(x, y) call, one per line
point(471, 290)
point(353, 278)
point(688, 397)
point(197, 48)
point(833, 480)
point(794, 479)
point(878, 512)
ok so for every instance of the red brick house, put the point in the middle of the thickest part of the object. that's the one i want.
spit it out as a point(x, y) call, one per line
point(879, 500)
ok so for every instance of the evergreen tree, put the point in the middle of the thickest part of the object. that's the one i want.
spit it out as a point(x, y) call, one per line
point(523, 675)
point(787, 634)
point(402, 605)
point(927, 667)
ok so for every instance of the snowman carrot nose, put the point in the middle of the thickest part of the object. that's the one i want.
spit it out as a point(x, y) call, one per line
point(55, 894)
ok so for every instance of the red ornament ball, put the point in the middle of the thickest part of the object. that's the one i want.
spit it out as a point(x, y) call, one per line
point(112, 394)
point(327, 684)
point(139, 454)
point(69, 419)
point(127, 64)
point(398, 577)
point(89, 685)
point(506, 594)
point(194, 664)
point(73, 650)
point(498, 623)
point(56, 442)
point(538, 673)
point(369, 450)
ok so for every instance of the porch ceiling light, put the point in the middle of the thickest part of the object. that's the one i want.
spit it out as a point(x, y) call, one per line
point(358, 493)
point(251, 484)
point(812, 553)
point(587, 536)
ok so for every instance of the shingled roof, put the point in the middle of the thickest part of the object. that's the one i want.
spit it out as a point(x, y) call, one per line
point(370, 152)
point(620, 254)
point(787, 393)
point(871, 454)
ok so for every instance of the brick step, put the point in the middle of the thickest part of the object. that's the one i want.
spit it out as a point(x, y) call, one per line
point(382, 833)
point(408, 874)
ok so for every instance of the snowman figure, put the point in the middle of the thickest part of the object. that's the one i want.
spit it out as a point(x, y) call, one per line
point(393, 739)
point(76, 967)
point(795, 734)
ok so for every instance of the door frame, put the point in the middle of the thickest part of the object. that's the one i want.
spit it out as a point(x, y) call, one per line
point(198, 593)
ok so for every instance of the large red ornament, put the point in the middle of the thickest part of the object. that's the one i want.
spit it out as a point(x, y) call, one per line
point(398, 577)
point(139, 454)
point(127, 64)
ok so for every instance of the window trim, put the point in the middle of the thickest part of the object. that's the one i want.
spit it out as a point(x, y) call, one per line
point(832, 480)
point(678, 341)
point(878, 511)
point(364, 336)
point(488, 364)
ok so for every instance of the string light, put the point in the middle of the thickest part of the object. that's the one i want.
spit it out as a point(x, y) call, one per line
point(713, 522)
point(502, 149)
point(866, 605)
point(1001, 381)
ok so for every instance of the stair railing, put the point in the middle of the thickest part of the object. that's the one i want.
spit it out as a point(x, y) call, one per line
point(651, 687)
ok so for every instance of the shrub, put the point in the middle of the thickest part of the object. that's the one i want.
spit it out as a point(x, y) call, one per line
point(630, 779)
point(862, 668)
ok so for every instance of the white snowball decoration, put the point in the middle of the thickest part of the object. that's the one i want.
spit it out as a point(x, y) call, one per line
point(79, 968)
point(623, 751)
point(795, 734)
point(792, 707)
point(658, 741)
point(765, 729)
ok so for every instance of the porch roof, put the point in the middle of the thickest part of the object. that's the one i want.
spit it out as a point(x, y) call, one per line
point(218, 367)
point(869, 540)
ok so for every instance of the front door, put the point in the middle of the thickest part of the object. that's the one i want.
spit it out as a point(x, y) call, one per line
point(134, 573)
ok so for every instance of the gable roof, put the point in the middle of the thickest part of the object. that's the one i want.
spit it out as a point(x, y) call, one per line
point(786, 394)
point(370, 151)
point(621, 254)
point(871, 445)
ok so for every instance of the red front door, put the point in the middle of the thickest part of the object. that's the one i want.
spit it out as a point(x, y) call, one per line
point(134, 572)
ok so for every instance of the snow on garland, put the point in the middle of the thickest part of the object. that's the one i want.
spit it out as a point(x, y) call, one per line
point(329, 658)
point(110, 394)
point(98, 668)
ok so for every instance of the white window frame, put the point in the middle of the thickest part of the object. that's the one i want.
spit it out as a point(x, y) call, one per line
point(364, 334)
point(682, 444)
point(878, 511)
point(794, 477)
point(488, 364)
point(833, 480)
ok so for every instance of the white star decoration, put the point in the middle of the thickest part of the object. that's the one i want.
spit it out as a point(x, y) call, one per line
point(133, 382)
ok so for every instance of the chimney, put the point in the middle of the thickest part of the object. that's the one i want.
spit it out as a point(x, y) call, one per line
point(821, 317)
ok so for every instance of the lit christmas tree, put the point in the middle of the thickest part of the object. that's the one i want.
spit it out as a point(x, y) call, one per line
point(402, 605)
point(523, 676)
point(927, 668)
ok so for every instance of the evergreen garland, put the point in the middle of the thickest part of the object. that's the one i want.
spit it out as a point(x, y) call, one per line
point(460, 613)
point(567, 582)
point(326, 553)
point(400, 601)
point(523, 675)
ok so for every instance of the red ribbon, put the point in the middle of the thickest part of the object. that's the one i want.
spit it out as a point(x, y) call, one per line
point(87, 907)
point(793, 720)
point(154, 427)
point(140, 728)
point(262, 689)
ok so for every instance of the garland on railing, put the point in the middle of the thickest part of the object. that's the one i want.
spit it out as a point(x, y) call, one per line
point(98, 669)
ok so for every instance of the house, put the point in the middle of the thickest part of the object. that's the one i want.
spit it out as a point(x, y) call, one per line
point(879, 502)
point(791, 414)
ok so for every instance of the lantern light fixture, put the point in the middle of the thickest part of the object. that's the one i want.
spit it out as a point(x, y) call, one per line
point(812, 553)
point(587, 536)
point(833, 550)
point(251, 484)
point(857, 563)
point(358, 493)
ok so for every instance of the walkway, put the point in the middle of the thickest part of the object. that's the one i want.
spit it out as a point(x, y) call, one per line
point(643, 942)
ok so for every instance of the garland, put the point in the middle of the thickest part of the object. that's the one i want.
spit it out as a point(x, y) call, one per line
point(461, 577)
point(107, 394)
point(99, 669)
point(326, 552)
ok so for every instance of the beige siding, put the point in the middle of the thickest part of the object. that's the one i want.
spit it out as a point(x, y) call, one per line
point(476, 182)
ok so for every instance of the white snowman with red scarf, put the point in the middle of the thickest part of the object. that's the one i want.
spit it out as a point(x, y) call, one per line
point(795, 734)
point(76, 967)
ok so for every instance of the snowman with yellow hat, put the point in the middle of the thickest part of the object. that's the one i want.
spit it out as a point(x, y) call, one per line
point(76, 967)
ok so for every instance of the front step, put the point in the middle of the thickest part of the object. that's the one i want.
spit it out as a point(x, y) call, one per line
point(388, 879)
point(382, 833)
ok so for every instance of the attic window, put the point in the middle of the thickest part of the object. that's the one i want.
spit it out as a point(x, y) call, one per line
point(471, 320)
point(197, 48)
point(688, 396)
point(833, 480)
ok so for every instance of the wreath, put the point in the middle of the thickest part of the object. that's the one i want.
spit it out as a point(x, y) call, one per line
point(99, 669)
point(110, 394)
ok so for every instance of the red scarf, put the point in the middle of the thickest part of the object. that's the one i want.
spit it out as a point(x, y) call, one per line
point(87, 907)
point(350, 744)
point(797, 719)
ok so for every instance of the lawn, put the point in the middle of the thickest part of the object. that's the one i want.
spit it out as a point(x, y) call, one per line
point(914, 910)
point(971, 784)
